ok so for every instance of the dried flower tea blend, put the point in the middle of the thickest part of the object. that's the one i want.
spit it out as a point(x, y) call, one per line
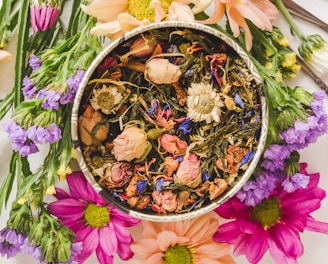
point(170, 120)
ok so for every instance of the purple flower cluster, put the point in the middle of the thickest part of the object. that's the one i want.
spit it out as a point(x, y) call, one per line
point(50, 99)
point(254, 191)
point(34, 62)
point(12, 243)
point(305, 133)
point(276, 156)
point(73, 83)
point(24, 141)
point(29, 90)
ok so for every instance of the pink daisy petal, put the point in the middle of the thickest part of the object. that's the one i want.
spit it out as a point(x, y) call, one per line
point(316, 226)
point(90, 238)
point(62, 207)
point(125, 219)
point(256, 250)
point(278, 256)
point(103, 258)
point(286, 240)
point(124, 250)
point(108, 239)
point(78, 186)
point(227, 232)
point(61, 194)
point(122, 233)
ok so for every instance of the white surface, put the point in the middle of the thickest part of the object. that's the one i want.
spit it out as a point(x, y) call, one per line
point(316, 155)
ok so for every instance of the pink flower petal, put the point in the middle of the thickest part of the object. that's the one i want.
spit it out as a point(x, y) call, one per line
point(103, 258)
point(287, 241)
point(257, 246)
point(316, 226)
point(108, 240)
point(67, 209)
point(125, 220)
point(122, 233)
point(227, 232)
point(78, 186)
point(61, 194)
point(33, 17)
point(90, 238)
point(124, 250)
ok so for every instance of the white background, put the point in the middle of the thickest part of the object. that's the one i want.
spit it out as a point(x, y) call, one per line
point(315, 244)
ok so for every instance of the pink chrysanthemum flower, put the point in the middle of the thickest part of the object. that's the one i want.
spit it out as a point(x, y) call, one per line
point(188, 242)
point(100, 226)
point(260, 12)
point(274, 224)
point(44, 14)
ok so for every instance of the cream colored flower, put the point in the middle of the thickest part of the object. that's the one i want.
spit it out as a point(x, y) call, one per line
point(204, 104)
point(116, 17)
point(162, 71)
point(130, 144)
point(106, 99)
point(5, 55)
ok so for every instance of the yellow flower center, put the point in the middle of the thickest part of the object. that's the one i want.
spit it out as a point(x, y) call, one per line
point(141, 10)
point(177, 254)
point(96, 216)
point(267, 213)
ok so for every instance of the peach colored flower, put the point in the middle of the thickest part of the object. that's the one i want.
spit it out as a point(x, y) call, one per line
point(116, 17)
point(162, 71)
point(89, 128)
point(189, 172)
point(173, 144)
point(5, 55)
point(260, 12)
point(188, 241)
point(130, 144)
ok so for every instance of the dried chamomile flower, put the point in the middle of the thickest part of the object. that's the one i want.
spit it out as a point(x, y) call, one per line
point(106, 99)
point(204, 104)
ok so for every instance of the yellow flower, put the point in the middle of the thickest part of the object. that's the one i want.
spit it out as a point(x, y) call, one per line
point(116, 17)
point(51, 190)
point(63, 171)
point(204, 104)
point(289, 59)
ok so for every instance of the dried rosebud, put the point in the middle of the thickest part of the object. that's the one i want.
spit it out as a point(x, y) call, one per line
point(144, 46)
point(217, 188)
point(189, 171)
point(165, 201)
point(118, 174)
point(90, 127)
point(161, 71)
point(170, 165)
point(130, 144)
point(173, 144)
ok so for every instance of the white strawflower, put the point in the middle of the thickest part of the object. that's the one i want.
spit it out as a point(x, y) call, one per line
point(106, 99)
point(204, 104)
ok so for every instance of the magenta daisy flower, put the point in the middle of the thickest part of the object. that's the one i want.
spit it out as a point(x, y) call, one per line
point(100, 226)
point(274, 224)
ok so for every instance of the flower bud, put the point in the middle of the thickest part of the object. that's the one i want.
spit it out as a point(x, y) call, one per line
point(161, 71)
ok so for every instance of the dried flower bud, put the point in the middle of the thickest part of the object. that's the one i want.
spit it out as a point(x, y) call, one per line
point(130, 144)
point(165, 201)
point(118, 174)
point(161, 71)
point(189, 172)
point(144, 46)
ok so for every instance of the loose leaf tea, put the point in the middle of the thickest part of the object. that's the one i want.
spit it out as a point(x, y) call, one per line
point(170, 120)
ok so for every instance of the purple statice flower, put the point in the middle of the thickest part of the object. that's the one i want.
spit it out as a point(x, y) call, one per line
point(20, 141)
point(10, 242)
point(51, 99)
point(295, 182)
point(54, 133)
point(41, 135)
point(73, 83)
point(275, 156)
point(254, 191)
point(27, 248)
point(34, 62)
point(185, 127)
point(28, 89)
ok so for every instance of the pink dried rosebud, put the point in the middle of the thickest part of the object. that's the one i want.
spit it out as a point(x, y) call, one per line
point(170, 165)
point(118, 174)
point(165, 201)
point(44, 14)
point(189, 172)
point(130, 144)
point(161, 71)
point(90, 129)
point(144, 46)
point(173, 144)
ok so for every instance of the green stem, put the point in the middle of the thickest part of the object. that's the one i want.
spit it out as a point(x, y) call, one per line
point(283, 10)
point(23, 32)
